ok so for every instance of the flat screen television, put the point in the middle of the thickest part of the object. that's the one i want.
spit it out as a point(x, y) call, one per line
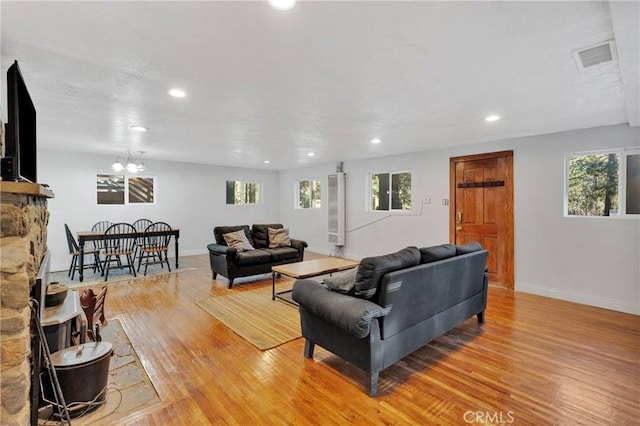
point(20, 157)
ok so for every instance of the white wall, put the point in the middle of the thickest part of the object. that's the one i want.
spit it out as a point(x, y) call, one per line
point(587, 260)
point(306, 224)
point(188, 196)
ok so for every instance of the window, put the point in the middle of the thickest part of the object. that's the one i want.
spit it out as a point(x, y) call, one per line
point(110, 189)
point(308, 194)
point(603, 183)
point(390, 191)
point(140, 190)
point(243, 192)
point(632, 180)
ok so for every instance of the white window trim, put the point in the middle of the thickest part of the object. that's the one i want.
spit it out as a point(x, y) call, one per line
point(622, 183)
point(126, 188)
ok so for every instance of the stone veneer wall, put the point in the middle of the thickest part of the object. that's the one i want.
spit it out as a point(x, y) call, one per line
point(23, 243)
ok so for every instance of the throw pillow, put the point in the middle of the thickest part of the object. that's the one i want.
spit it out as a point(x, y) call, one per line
point(260, 233)
point(468, 248)
point(238, 240)
point(219, 232)
point(343, 282)
point(279, 238)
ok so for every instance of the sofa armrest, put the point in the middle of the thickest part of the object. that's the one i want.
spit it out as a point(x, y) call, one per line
point(298, 244)
point(222, 250)
point(349, 313)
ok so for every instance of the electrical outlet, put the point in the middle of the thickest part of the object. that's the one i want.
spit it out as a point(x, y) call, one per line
point(426, 200)
point(445, 201)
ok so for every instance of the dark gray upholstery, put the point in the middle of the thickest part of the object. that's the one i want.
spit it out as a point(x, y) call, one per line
point(371, 270)
point(414, 306)
point(350, 314)
point(435, 253)
point(230, 263)
point(342, 282)
point(468, 248)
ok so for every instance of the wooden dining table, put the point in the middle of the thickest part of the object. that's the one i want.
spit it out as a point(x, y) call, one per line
point(85, 236)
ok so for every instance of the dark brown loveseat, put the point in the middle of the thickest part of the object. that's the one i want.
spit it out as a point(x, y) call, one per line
point(231, 263)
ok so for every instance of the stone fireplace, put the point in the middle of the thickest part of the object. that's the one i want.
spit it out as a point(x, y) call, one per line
point(23, 244)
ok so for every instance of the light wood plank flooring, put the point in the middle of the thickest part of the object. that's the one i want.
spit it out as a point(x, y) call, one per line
point(536, 361)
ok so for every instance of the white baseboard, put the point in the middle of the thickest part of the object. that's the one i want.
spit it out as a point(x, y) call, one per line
point(192, 252)
point(340, 253)
point(585, 299)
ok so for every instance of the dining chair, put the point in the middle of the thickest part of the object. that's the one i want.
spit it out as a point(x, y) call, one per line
point(119, 244)
point(93, 307)
point(99, 228)
point(74, 251)
point(155, 246)
point(140, 225)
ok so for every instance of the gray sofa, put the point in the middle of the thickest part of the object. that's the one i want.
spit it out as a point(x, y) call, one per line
point(399, 303)
point(231, 263)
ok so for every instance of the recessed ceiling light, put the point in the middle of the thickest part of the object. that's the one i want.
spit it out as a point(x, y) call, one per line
point(139, 128)
point(177, 93)
point(376, 140)
point(282, 4)
point(310, 154)
point(492, 118)
point(267, 161)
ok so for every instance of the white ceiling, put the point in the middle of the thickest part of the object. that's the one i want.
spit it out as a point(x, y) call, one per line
point(325, 77)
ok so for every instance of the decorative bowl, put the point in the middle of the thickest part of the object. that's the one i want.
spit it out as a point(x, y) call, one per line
point(56, 293)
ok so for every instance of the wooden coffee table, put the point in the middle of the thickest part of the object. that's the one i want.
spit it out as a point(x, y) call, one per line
point(308, 269)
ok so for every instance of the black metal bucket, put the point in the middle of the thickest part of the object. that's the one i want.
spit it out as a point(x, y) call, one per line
point(83, 373)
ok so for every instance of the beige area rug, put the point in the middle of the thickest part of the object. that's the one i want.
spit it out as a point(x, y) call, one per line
point(115, 275)
point(252, 314)
point(128, 388)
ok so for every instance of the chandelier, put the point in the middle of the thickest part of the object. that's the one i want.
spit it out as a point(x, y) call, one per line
point(134, 164)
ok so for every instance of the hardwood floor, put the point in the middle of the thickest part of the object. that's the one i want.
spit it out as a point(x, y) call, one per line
point(535, 361)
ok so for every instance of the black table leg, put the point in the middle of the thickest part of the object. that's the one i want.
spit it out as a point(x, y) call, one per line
point(279, 294)
point(176, 252)
point(273, 286)
point(81, 260)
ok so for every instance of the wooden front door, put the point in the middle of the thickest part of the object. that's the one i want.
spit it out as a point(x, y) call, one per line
point(482, 209)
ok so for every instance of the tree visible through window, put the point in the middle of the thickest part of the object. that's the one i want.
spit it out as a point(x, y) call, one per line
point(391, 191)
point(593, 184)
point(597, 186)
point(243, 192)
point(309, 194)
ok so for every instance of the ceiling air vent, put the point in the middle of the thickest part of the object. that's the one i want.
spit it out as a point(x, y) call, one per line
point(595, 55)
